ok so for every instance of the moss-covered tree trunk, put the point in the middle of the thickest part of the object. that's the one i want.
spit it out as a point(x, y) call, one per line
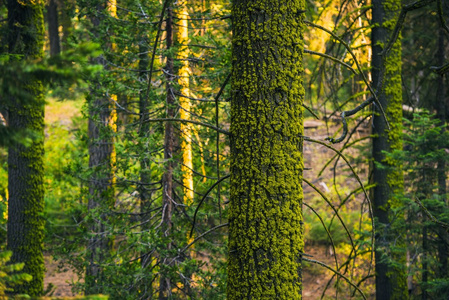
point(265, 217)
point(25, 164)
point(387, 175)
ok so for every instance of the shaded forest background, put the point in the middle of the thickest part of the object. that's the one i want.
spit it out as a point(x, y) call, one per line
point(137, 157)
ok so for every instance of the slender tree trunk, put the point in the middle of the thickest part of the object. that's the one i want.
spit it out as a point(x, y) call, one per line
point(144, 131)
point(25, 164)
point(169, 140)
point(265, 214)
point(101, 127)
point(184, 101)
point(53, 28)
point(425, 251)
point(66, 6)
point(391, 280)
point(440, 106)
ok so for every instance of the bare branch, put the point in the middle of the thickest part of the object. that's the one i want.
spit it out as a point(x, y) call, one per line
point(331, 58)
point(336, 272)
point(203, 234)
point(349, 113)
point(188, 121)
point(359, 68)
point(204, 197)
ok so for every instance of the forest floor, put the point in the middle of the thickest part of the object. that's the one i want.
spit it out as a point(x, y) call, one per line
point(333, 185)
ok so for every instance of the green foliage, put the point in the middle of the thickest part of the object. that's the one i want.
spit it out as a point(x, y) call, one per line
point(10, 275)
point(65, 70)
point(425, 144)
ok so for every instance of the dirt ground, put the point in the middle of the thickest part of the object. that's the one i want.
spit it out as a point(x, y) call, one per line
point(60, 280)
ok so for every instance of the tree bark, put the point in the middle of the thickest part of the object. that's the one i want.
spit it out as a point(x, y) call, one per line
point(182, 35)
point(169, 141)
point(101, 182)
point(265, 214)
point(440, 106)
point(53, 28)
point(391, 280)
point(25, 164)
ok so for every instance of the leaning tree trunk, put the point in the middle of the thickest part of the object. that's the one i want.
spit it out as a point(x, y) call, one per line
point(265, 215)
point(25, 164)
point(391, 280)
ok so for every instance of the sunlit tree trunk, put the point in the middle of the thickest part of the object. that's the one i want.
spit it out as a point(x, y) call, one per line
point(265, 216)
point(25, 164)
point(165, 284)
point(391, 280)
point(182, 36)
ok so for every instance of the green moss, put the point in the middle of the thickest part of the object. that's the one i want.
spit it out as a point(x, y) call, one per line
point(392, 182)
point(266, 231)
point(26, 202)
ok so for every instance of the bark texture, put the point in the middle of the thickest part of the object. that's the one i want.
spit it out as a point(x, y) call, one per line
point(53, 28)
point(182, 35)
point(165, 285)
point(265, 217)
point(391, 280)
point(101, 127)
point(25, 164)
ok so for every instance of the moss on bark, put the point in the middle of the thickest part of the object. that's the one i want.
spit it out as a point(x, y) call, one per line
point(266, 229)
point(387, 173)
point(25, 164)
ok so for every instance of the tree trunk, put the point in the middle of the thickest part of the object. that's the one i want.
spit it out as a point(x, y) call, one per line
point(53, 28)
point(425, 252)
point(169, 140)
point(440, 106)
point(265, 216)
point(391, 280)
point(67, 6)
point(25, 164)
point(184, 102)
point(101, 182)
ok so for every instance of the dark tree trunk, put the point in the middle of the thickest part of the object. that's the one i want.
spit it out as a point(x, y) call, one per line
point(144, 132)
point(53, 28)
point(169, 141)
point(425, 251)
point(25, 164)
point(387, 175)
point(265, 214)
point(440, 106)
point(101, 181)
point(66, 8)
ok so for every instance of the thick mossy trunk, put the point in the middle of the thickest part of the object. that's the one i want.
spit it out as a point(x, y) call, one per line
point(265, 217)
point(25, 164)
point(387, 175)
